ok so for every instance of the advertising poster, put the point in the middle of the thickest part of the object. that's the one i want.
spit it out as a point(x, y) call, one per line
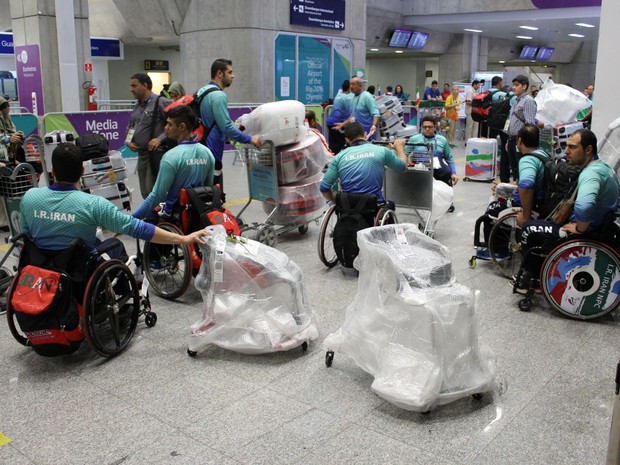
point(343, 58)
point(314, 70)
point(29, 81)
point(285, 67)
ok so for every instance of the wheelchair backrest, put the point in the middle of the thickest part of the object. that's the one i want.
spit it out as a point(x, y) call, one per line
point(73, 260)
point(203, 206)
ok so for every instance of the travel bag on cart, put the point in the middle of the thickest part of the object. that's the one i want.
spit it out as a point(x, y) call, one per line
point(104, 170)
point(52, 139)
point(299, 202)
point(92, 145)
point(117, 193)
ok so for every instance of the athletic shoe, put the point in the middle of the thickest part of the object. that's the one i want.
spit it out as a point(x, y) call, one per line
point(155, 265)
point(483, 253)
point(451, 209)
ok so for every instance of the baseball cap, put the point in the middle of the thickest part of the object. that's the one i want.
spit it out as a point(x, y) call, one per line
point(475, 81)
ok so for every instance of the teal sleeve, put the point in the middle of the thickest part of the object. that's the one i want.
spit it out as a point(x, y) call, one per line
point(165, 178)
point(111, 218)
point(371, 105)
point(447, 155)
point(331, 176)
point(219, 105)
point(392, 161)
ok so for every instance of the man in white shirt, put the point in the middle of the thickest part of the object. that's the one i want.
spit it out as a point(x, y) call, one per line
point(471, 127)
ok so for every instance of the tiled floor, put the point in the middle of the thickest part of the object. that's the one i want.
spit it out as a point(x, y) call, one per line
point(155, 405)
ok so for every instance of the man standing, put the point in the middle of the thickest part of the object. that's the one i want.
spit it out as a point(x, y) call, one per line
point(597, 198)
point(341, 110)
point(363, 109)
point(497, 86)
point(471, 127)
point(444, 166)
point(215, 117)
point(432, 93)
point(446, 92)
point(146, 129)
point(522, 112)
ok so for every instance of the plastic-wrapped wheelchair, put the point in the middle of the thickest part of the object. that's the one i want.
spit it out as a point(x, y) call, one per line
point(103, 308)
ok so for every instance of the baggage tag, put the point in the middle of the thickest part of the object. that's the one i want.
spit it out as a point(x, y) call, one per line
point(218, 264)
point(130, 134)
point(400, 235)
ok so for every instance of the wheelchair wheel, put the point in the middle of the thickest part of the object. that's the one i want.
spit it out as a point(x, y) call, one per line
point(505, 245)
point(385, 216)
point(581, 278)
point(168, 268)
point(111, 308)
point(12, 321)
point(327, 253)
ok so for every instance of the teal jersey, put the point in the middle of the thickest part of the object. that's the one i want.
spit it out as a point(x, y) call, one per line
point(442, 148)
point(364, 109)
point(360, 169)
point(189, 164)
point(532, 175)
point(52, 218)
point(341, 109)
point(597, 193)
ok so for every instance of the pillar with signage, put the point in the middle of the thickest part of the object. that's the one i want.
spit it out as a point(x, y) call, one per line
point(43, 57)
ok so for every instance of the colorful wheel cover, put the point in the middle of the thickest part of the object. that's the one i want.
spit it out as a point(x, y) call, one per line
point(582, 280)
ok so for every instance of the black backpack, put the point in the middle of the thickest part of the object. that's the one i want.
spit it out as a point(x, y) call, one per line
point(354, 213)
point(480, 105)
point(498, 113)
point(92, 145)
point(559, 182)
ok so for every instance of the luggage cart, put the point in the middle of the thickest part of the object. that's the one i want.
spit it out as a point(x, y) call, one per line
point(413, 189)
point(261, 167)
point(12, 189)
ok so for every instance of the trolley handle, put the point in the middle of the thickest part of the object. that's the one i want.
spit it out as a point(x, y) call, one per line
point(18, 171)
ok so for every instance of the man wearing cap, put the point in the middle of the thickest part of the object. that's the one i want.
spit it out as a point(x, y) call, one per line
point(471, 127)
point(523, 112)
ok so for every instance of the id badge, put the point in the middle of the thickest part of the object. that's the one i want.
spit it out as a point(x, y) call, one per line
point(506, 125)
point(129, 137)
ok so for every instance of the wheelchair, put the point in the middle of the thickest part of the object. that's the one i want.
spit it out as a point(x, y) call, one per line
point(169, 268)
point(105, 296)
point(379, 215)
point(580, 276)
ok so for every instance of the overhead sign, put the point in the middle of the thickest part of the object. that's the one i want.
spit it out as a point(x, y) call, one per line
point(102, 47)
point(156, 65)
point(327, 14)
point(6, 43)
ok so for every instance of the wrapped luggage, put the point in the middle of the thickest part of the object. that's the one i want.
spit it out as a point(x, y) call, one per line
point(558, 104)
point(411, 325)
point(301, 160)
point(609, 147)
point(254, 298)
point(298, 202)
point(280, 122)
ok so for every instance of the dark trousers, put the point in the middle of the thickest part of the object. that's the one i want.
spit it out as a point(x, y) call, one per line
point(504, 164)
point(513, 160)
point(443, 173)
point(336, 140)
point(538, 238)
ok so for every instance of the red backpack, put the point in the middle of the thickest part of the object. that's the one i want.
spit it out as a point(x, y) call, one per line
point(480, 106)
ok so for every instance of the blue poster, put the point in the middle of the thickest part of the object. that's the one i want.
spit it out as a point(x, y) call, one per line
point(285, 67)
point(313, 85)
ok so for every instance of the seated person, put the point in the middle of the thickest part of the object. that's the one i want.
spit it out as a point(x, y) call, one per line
point(52, 217)
point(189, 164)
point(596, 200)
point(443, 164)
point(312, 121)
point(361, 166)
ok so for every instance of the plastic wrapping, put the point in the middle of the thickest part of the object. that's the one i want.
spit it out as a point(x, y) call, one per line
point(561, 133)
point(301, 160)
point(298, 202)
point(411, 325)
point(443, 195)
point(609, 147)
point(254, 298)
point(559, 104)
point(280, 122)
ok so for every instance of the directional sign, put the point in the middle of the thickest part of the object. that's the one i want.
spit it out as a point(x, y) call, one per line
point(327, 14)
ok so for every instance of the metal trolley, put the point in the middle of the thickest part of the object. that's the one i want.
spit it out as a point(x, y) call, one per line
point(413, 189)
point(12, 188)
point(261, 167)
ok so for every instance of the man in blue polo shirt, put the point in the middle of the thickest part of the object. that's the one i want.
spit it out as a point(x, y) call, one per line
point(363, 108)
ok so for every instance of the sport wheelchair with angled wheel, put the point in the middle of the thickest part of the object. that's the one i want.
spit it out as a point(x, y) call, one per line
point(364, 205)
point(579, 277)
point(58, 298)
point(169, 268)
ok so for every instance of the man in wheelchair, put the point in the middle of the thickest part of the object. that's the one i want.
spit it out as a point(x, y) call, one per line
point(595, 202)
point(189, 164)
point(360, 169)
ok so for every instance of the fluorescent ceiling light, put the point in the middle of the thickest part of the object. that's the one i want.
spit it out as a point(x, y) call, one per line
point(502, 61)
point(529, 28)
point(398, 51)
point(472, 30)
point(374, 49)
point(524, 37)
point(576, 35)
point(584, 25)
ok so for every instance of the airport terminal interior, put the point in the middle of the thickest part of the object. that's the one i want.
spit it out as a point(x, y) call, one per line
point(551, 400)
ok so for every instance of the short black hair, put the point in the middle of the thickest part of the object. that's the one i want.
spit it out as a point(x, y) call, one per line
point(143, 79)
point(587, 138)
point(522, 79)
point(183, 114)
point(434, 82)
point(496, 80)
point(529, 135)
point(353, 131)
point(371, 89)
point(346, 85)
point(221, 64)
point(429, 118)
point(310, 115)
point(67, 162)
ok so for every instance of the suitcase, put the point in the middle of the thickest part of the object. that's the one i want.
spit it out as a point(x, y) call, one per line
point(104, 170)
point(117, 193)
point(480, 159)
point(52, 139)
point(301, 160)
point(298, 202)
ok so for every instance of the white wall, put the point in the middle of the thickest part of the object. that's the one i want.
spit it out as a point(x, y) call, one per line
point(408, 72)
point(605, 109)
point(7, 63)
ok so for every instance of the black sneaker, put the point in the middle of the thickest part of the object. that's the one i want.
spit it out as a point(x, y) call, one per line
point(451, 209)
